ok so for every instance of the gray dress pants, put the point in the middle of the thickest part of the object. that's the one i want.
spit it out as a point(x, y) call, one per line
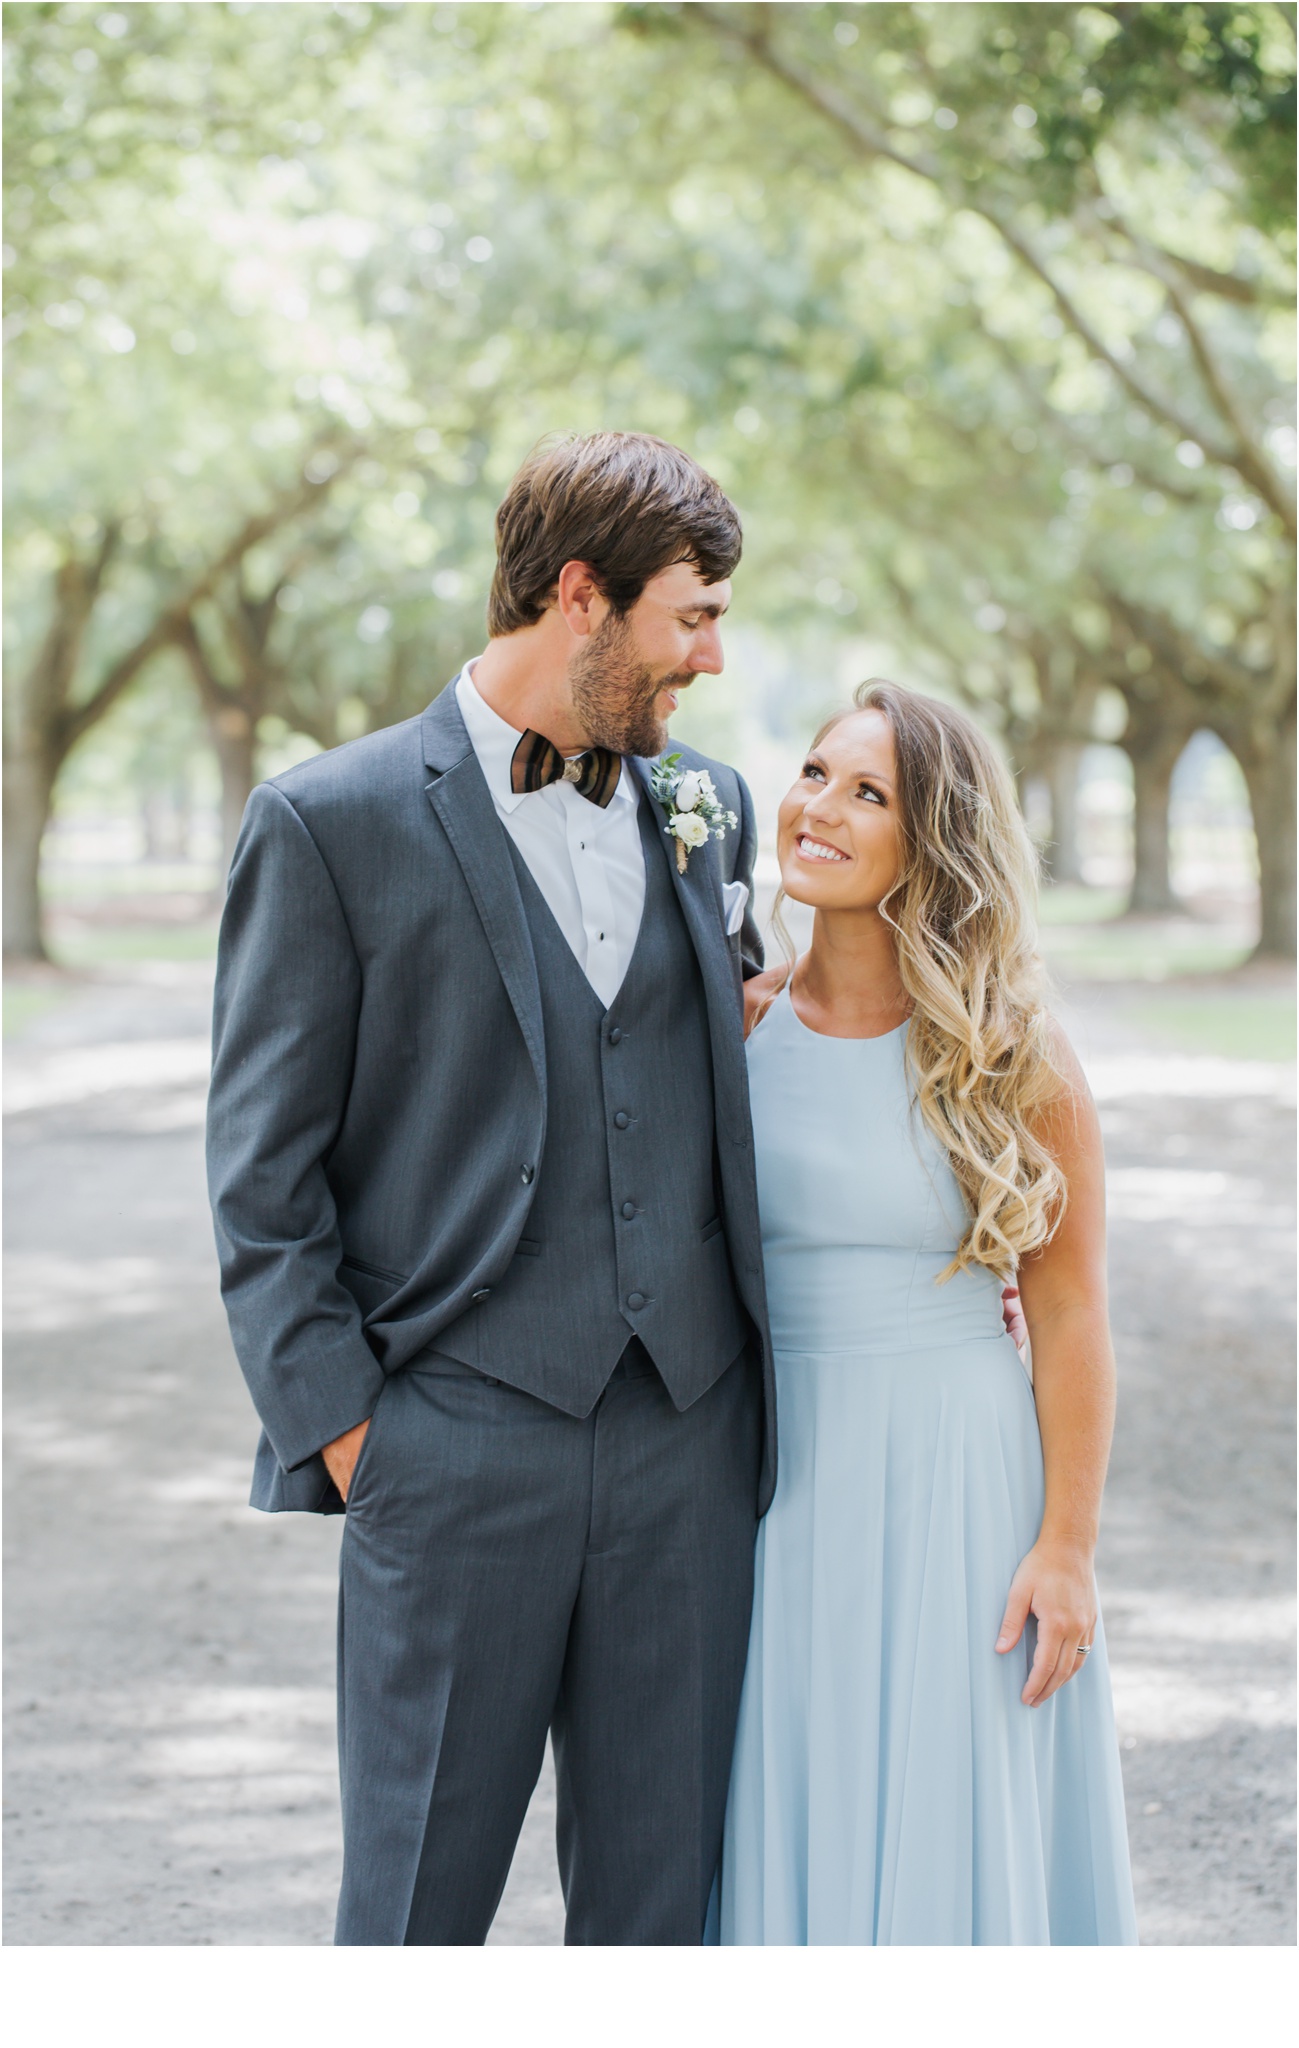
point(506, 1569)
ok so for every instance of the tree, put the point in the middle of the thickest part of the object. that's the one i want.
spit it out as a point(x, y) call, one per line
point(51, 708)
point(1054, 132)
point(971, 384)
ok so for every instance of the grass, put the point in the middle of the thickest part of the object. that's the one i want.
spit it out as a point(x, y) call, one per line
point(24, 1002)
point(68, 882)
point(1086, 937)
point(1073, 903)
point(1141, 952)
point(100, 945)
point(1244, 1024)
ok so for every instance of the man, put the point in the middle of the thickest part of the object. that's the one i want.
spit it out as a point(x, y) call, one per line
point(482, 1173)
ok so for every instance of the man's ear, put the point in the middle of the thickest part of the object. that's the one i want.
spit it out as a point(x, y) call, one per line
point(579, 599)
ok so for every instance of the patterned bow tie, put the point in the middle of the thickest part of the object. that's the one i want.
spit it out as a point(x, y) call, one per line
point(536, 763)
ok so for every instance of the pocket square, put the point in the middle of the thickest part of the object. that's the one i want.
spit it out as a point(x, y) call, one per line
point(735, 897)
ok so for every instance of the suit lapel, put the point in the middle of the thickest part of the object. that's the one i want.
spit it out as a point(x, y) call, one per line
point(699, 892)
point(460, 797)
point(462, 801)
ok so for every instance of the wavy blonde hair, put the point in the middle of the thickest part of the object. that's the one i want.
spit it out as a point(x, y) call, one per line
point(963, 908)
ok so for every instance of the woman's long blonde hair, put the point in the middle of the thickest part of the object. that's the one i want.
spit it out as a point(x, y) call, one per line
point(963, 908)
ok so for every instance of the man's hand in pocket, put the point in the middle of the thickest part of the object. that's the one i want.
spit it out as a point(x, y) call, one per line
point(340, 1457)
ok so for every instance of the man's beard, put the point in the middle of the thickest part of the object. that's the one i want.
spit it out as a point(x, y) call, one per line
point(613, 693)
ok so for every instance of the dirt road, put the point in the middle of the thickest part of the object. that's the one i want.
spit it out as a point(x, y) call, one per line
point(171, 1770)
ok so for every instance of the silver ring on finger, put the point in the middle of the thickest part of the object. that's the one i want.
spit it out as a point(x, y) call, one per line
point(1084, 1649)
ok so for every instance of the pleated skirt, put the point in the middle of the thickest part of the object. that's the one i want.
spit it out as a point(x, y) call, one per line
point(889, 1787)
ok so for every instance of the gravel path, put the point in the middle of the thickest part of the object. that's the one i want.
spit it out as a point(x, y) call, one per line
point(170, 1698)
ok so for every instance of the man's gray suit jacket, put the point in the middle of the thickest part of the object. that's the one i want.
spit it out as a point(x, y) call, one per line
point(378, 1103)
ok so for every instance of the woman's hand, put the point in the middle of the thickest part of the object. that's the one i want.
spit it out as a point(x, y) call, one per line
point(1056, 1584)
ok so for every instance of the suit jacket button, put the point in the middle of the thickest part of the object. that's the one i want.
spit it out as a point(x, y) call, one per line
point(635, 1301)
point(480, 1294)
point(527, 1173)
point(622, 1120)
point(615, 1036)
point(629, 1210)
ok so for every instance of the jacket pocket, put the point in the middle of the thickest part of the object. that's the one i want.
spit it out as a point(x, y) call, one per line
point(527, 1248)
point(373, 1272)
point(710, 1230)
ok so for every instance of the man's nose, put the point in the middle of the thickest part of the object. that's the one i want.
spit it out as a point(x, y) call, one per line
point(706, 657)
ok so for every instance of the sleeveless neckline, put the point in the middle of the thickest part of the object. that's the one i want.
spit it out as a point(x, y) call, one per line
point(825, 1037)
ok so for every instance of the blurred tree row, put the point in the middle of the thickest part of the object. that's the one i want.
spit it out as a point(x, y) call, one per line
point(982, 313)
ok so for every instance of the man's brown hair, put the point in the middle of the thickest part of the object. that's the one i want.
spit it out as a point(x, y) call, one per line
point(630, 505)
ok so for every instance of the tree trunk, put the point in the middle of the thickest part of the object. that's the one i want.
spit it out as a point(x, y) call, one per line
point(1270, 776)
point(234, 742)
point(1063, 854)
point(39, 731)
point(28, 792)
point(1153, 760)
point(44, 720)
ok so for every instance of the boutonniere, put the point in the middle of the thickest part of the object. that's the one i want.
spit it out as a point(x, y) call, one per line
point(695, 812)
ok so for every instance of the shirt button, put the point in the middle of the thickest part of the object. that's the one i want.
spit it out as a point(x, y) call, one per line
point(527, 1173)
point(622, 1120)
point(635, 1301)
point(615, 1036)
point(629, 1210)
point(480, 1294)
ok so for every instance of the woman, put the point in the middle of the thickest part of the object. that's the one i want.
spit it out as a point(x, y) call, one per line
point(926, 1749)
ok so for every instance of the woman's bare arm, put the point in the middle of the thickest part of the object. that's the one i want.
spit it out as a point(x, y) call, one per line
point(1063, 1290)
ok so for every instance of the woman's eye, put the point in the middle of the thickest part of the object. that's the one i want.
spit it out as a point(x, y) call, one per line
point(811, 773)
point(873, 794)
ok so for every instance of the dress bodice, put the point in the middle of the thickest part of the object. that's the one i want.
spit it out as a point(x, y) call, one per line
point(860, 1208)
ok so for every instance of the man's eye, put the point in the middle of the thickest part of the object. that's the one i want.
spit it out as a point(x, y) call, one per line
point(692, 625)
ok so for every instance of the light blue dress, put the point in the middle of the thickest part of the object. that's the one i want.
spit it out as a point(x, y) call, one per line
point(889, 1787)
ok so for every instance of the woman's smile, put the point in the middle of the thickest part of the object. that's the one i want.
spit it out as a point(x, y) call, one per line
point(817, 849)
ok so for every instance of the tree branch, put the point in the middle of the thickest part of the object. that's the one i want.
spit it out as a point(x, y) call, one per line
point(871, 140)
point(78, 719)
point(1250, 460)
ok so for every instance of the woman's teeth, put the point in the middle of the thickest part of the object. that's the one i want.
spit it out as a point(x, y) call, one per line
point(813, 849)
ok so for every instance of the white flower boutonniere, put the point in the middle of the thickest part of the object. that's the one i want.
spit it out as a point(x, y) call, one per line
point(695, 813)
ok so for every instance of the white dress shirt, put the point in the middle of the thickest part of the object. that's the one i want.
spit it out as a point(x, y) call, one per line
point(588, 863)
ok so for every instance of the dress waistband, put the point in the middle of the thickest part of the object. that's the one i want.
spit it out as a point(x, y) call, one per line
point(876, 1299)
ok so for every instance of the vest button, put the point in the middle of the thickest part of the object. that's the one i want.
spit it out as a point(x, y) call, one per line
point(635, 1301)
point(527, 1173)
point(622, 1120)
point(480, 1294)
point(615, 1036)
point(629, 1210)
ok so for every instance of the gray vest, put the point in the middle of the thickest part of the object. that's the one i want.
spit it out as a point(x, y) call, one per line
point(624, 1237)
